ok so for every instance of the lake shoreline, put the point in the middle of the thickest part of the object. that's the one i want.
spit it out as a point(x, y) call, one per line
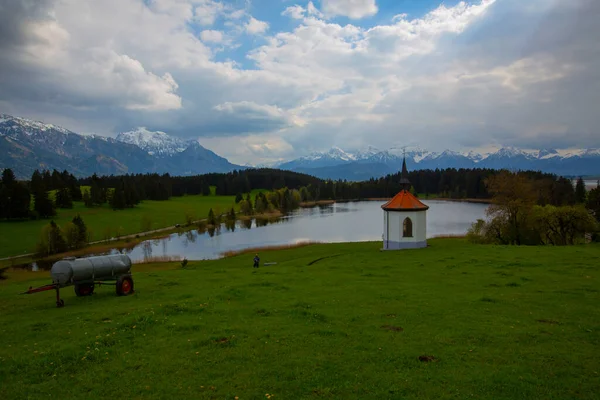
point(466, 200)
point(180, 235)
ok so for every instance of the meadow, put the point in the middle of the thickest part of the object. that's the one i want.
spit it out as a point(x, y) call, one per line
point(21, 237)
point(345, 321)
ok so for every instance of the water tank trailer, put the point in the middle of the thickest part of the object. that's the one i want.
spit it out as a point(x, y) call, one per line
point(85, 273)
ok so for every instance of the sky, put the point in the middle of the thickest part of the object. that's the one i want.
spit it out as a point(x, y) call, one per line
point(263, 80)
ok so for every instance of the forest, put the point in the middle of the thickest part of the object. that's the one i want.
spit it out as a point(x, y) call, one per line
point(31, 199)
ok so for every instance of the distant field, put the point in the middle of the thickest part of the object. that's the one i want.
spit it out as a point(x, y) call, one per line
point(340, 321)
point(21, 237)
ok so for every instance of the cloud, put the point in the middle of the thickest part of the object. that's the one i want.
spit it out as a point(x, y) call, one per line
point(478, 73)
point(268, 148)
point(211, 36)
point(255, 27)
point(354, 9)
point(257, 117)
point(57, 67)
point(296, 12)
point(299, 12)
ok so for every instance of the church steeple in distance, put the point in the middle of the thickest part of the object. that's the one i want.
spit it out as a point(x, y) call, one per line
point(404, 182)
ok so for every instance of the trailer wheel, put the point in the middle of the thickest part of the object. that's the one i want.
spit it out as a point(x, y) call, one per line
point(84, 289)
point(124, 286)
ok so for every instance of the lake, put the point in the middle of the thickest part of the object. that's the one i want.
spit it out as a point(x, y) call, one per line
point(340, 222)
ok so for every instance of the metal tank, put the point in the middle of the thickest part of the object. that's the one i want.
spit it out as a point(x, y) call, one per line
point(77, 270)
point(85, 273)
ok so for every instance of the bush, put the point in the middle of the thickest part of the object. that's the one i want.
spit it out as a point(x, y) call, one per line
point(477, 233)
point(189, 218)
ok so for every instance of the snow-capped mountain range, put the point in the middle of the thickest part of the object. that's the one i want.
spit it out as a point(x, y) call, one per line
point(363, 164)
point(26, 145)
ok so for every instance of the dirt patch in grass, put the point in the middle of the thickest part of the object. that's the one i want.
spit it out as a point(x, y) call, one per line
point(322, 258)
point(488, 300)
point(548, 321)
point(427, 359)
point(222, 341)
point(392, 328)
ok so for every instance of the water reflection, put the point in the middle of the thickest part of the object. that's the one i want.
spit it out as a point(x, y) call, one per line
point(246, 223)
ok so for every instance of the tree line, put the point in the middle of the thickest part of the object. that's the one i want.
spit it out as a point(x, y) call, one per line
point(518, 216)
point(126, 191)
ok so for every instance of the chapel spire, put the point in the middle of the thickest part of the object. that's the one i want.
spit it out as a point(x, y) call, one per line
point(404, 182)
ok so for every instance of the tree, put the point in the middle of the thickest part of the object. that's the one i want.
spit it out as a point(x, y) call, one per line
point(82, 233)
point(580, 192)
point(51, 240)
point(512, 199)
point(15, 199)
point(245, 207)
point(97, 193)
point(562, 226)
point(211, 217)
point(63, 198)
point(205, 188)
point(37, 182)
point(118, 200)
point(87, 199)
point(8, 177)
point(231, 215)
point(259, 205)
point(593, 202)
point(71, 235)
point(238, 198)
point(43, 206)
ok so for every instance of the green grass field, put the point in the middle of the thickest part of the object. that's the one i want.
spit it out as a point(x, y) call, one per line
point(20, 237)
point(342, 321)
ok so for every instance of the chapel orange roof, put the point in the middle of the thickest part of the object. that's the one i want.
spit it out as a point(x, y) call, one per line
point(404, 201)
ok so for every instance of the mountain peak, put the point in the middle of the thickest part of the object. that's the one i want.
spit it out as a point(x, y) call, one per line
point(156, 143)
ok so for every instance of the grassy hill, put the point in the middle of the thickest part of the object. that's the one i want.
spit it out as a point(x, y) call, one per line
point(328, 321)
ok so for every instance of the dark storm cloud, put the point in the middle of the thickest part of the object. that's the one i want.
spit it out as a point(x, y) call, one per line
point(13, 16)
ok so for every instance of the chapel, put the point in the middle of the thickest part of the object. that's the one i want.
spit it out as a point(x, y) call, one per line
point(404, 218)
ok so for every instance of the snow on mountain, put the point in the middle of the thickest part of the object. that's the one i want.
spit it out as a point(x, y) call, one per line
point(156, 143)
point(367, 153)
point(472, 155)
point(510, 152)
point(348, 163)
point(29, 126)
point(337, 153)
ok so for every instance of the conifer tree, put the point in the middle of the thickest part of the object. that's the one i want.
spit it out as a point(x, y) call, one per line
point(82, 238)
point(43, 205)
point(118, 200)
point(15, 198)
point(211, 217)
point(580, 192)
point(205, 188)
point(37, 181)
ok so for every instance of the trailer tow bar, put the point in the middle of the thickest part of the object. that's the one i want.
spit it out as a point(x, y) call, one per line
point(59, 302)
